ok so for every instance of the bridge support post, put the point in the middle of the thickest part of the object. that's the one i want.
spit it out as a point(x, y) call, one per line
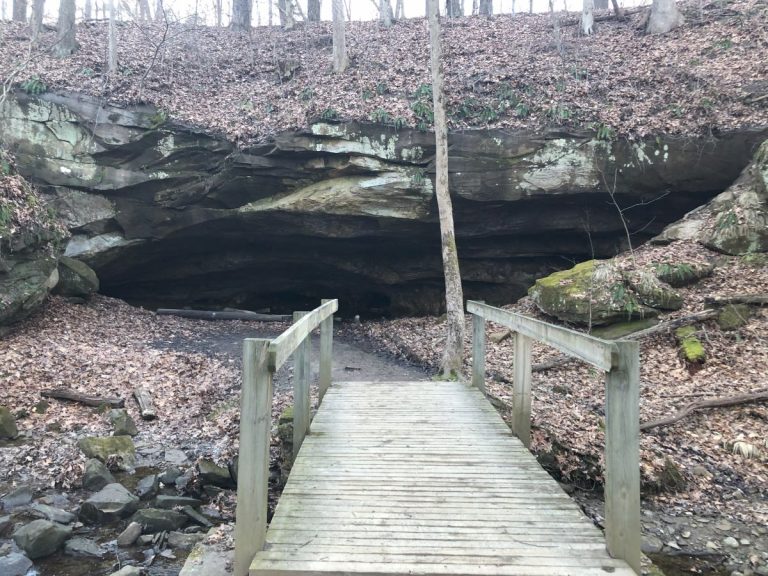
point(521, 395)
point(326, 355)
point(301, 379)
point(255, 435)
point(478, 352)
point(622, 455)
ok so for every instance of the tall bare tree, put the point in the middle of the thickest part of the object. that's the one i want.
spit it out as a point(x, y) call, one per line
point(112, 41)
point(454, 295)
point(399, 10)
point(241, 15)
point(453, 8)
point(587, 17)
point(66, 42)
point(286, 9)
point(664, 17)
point(486, 8)
point(340, 60)
point(219, 7)
point(38, 8)
point(20, 10)
point(385, 12)
point(313, 10)
point(159, 11)
point(145, 14)
point(88, 10)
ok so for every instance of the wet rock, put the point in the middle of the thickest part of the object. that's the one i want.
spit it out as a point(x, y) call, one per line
point(14, 564)
point(175, 457)
point(208, 559)
point(196, 517)
point(171, 502)
point(730, 542)
point(211, 473)
point(105, 446)
point(8, 427)
point(146, 539)
point(83, 547)
point(111, 503)
point(156, 520)
point(129, 536)
point(148, 487)
point(53, 514)
point(182, 481)
point(21, 496)
point(170, 475)
point(122, 423)
point(127, 571)
point(5, 526)
point(41, 538)
point(76, 278)
point(184, 541)
point(96, 475)
point(651, 544)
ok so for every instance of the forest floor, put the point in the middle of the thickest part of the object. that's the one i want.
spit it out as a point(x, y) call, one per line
point(513, 72)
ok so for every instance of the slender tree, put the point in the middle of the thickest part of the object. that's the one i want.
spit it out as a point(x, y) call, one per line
point(219, 7)
point(145, 14)
point(454, 296)
point(20, 10)
point(588, 17)
point(285, 7)
point(399, 10)
point(486, 8)
point(66, 43)
point(453, 8)
point(241, 15)
point(385, 13)
point(664, 17)
point(313, 10)
point(340, 60)
point(112, 41)
point(38, 9)
point(88, 10)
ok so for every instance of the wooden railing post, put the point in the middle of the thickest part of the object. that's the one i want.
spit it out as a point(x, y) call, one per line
point(521, 394)
point(326, 355)
point(255, 435)
point(478, 352)
point(622, 455)
point(301, 379)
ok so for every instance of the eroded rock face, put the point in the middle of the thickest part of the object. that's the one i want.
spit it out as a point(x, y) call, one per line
point(166, 214)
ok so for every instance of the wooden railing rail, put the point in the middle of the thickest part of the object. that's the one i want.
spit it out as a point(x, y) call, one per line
point(262, 357)
point(620, 360)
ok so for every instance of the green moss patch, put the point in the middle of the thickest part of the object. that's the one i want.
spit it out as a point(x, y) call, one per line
point(733, 316)
point(690, 346)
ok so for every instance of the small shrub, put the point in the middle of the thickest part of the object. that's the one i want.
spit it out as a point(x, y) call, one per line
point(424, 91)
point(522, 110)
point(604, 132)
point(380, 116)
point(306, 95)
point(381, 89)
point(34, 86)
point(329, 114)
point(366, 94)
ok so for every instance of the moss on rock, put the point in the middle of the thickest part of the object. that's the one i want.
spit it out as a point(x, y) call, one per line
point(733, 316)
point(690, 346)
point(682, 273)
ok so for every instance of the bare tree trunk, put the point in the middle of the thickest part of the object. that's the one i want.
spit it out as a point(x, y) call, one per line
point(399, 10)
point(664, 17)
point(530, 7)
point(270, 4)
point(453, 8)
point(112, 41)
point(486, 8)
point(66, 43)
point(601, 4)
point(241, 15)
point(385, 12)
point(38, 9)
point(475, 8)
point(588, 17)
point(145, 14)
point(159, 11)
point(339, 38)
point(219, 11)
point(87, 10)
point(20, 10)
point(454, 297)
point(313, 10)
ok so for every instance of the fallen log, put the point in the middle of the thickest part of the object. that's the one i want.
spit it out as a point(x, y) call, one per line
point(750, 299)
point(757, 396)
point(223, 315)
point(144, 400)
point(74, 396)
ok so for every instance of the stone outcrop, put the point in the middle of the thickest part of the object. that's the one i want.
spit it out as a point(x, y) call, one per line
point(76, 278)
point(167, 214)
point(734, 222)
point(41, 538)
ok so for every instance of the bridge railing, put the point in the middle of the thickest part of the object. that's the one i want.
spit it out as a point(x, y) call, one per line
point(263, 357)
point(620, 361)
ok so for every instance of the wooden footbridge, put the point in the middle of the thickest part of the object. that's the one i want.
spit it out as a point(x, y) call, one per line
point(425, 478)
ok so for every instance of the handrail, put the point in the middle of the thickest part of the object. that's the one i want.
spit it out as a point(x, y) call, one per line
point(262, 357)
point(620, 360)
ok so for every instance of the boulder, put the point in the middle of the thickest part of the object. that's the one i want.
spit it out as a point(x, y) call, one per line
point(15, 564)
point(593, 292)
point(105, 446)
point(170, 475)
point(212, 473)
point(76, 278)
point(682, 273)
point(5, 526)
point(122, 423)
point(84, 548)
point(111, 503)
point(8, 427)
point(129, 536)
point(127, 571)
point(96, 475)
point(733, 316)
point(52, 514)
point(147, 487)
point(172, 501)
point(651, 291)
point(184, 541)
point(41, 538)
point(156, 520)
point(20, 496)
point(25, 283)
